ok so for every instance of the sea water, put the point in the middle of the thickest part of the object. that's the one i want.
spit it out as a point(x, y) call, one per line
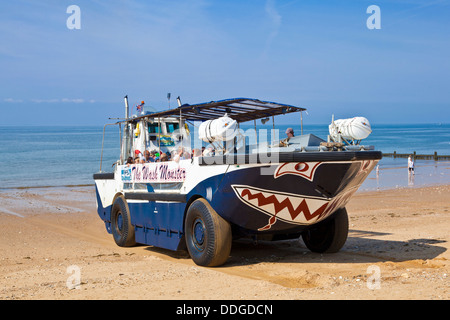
point(69, 155)
point(54, 156)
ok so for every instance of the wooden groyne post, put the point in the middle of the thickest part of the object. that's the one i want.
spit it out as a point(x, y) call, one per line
point(415, 156)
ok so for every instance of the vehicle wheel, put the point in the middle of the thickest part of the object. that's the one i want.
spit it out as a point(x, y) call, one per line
point(328, 236)
point(208, 235)
point(122, 230)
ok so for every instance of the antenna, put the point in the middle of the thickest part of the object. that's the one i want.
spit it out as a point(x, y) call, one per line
point(168, 98)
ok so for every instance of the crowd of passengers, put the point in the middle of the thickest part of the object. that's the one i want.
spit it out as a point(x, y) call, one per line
point(175, 155)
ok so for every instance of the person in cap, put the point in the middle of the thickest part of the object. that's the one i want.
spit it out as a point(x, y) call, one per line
point(289, 134)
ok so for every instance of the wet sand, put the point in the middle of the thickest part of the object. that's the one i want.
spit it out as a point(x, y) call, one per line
point(395, 175)
point(398, 248)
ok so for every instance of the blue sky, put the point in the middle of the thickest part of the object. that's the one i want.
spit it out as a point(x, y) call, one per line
point(315, 54)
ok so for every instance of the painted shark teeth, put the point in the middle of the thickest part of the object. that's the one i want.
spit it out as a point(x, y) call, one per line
point(287, 207)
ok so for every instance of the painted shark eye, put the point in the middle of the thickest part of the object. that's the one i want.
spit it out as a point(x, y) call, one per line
point(301, 166)
point(302, 169)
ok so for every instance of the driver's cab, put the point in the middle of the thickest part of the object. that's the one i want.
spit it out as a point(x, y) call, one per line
point(162, 135)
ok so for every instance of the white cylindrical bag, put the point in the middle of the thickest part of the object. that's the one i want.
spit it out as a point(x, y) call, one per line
point(221, 129)
point(356, 128)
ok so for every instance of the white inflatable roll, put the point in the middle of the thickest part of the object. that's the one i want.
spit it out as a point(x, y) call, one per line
point(356, 128)
point(221, 129)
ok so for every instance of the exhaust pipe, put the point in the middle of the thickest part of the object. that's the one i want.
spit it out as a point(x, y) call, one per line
point(127, 108)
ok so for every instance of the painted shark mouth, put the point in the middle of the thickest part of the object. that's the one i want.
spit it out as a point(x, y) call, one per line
point(287, 207)
point(295, 208)
point(291, 208)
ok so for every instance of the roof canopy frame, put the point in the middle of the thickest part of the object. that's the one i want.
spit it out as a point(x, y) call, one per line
point(235, 108)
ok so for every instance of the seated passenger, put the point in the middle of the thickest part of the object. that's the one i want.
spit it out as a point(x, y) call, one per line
point(178, 155)
point(196, 153)
point(148, 157)
point(163, 157)
point(289, 134)
point(129, 161)
point(186, 155)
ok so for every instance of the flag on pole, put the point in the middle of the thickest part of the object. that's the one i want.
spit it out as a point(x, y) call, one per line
point(140, 107)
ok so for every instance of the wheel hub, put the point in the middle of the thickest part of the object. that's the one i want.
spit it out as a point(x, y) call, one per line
point(198, 234)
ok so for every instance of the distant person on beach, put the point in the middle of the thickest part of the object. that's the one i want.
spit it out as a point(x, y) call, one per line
point(410, 165)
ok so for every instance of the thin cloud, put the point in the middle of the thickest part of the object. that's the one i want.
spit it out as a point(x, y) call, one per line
point(72, 100)
point(11, 100)
point(63, 100)
point(45, 100)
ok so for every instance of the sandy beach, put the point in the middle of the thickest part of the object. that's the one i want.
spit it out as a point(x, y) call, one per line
point(398, 248)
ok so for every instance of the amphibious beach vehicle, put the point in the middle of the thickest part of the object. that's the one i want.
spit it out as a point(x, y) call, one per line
point(223, 182)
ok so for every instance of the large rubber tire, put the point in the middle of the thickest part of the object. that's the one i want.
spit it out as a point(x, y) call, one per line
point(208, 235)
point(328, 236)
point(122, 230)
